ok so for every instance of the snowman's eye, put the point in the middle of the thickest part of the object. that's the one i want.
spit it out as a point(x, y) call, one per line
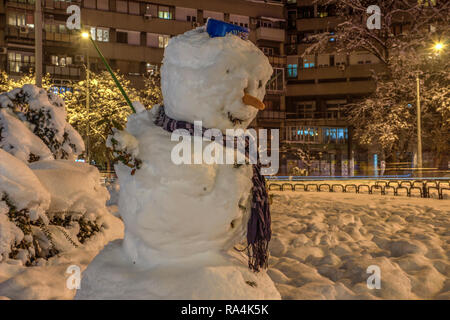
point(260, 84)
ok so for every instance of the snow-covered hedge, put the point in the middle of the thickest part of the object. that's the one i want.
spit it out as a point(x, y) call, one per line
point(48, 202)
point(30, 113)
point(23, 203)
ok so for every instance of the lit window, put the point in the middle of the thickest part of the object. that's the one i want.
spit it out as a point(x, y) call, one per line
point(292, 70)
point(332, 38)
point(163, 41)
point(426, 3)
point(60, 61)
point(16, 19)
point(164, 13)
point(100, 34)
point(55, 60)
point(20, 62)
point(151, 68)
point(309, 62)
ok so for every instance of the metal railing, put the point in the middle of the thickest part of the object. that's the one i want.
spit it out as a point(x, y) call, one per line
point(427, 188)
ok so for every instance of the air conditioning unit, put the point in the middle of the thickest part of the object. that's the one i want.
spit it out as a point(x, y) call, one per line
point(3, 50)
point(147, 16)
point(23, 30)
point(79, 58)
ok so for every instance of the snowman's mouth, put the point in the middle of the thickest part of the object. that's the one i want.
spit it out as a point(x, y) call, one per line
point(234, 120)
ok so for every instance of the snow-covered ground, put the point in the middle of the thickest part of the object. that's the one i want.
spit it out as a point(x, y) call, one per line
point(321, 247)
point(49, 281)
point(323, 244)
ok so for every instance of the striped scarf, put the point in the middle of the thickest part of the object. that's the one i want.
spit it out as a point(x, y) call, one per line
point(258, 226)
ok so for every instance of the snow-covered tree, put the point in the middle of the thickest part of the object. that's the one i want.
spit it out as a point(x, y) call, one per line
point(33, 125)
point(386, 119)
point(8, 83)
point(404, 25)
point(151, 94)
point(108, 109)
point(47, 204)
point(301, 152)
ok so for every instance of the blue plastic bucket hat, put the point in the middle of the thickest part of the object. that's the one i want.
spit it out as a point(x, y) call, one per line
point(217, 28)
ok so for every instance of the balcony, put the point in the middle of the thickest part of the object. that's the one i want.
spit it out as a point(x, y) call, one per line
point(20, 33)
point(271, 34)
point(330, 88)
point(117, 51)
point(335, 72)
point(71, 38)
point(66, 71)
point(313, 115)
point(271, 115)
point(117, 20)
point(318, 23)
point(277, 61)
point(20, 68)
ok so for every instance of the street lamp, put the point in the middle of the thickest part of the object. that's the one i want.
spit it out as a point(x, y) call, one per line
point(437, 47)
point(85, 35)
point(419, 127)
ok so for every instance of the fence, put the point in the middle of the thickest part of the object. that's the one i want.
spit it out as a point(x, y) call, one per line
point(422, 188)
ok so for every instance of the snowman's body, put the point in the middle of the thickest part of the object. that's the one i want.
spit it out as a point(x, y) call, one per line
point(181, 221)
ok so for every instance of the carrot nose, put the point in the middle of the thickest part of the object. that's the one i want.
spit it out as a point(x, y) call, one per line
point(253, 101)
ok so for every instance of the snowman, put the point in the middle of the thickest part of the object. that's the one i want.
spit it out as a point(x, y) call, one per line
point(185, 224)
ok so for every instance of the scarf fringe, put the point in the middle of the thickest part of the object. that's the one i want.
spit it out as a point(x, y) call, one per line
point(258, 255)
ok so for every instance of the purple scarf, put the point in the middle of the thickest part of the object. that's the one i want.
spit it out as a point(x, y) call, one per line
point(258, 226)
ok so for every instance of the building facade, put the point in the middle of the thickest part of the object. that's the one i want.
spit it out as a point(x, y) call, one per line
point(305, 96)
point(318, 86)
point(131, 34)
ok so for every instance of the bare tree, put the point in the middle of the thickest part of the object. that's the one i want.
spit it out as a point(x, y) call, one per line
point(403, 23)
point(301, 152)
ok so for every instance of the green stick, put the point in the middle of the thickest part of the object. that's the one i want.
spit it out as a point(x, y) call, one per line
point(113, 75)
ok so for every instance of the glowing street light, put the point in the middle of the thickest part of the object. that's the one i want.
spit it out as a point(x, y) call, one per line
point(438, 46)
point(85, 35)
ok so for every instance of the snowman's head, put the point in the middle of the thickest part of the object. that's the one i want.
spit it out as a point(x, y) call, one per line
point(205, 79)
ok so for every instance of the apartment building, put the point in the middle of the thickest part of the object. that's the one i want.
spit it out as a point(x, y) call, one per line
point(317, 88)
point(131, 34)
point(305, 96)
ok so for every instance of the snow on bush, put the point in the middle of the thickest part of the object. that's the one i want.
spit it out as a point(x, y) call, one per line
point(78, 199)
point(17, 139)
point(52, 206)
point(43, 115)
point(48, 202)
point(23, 202)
